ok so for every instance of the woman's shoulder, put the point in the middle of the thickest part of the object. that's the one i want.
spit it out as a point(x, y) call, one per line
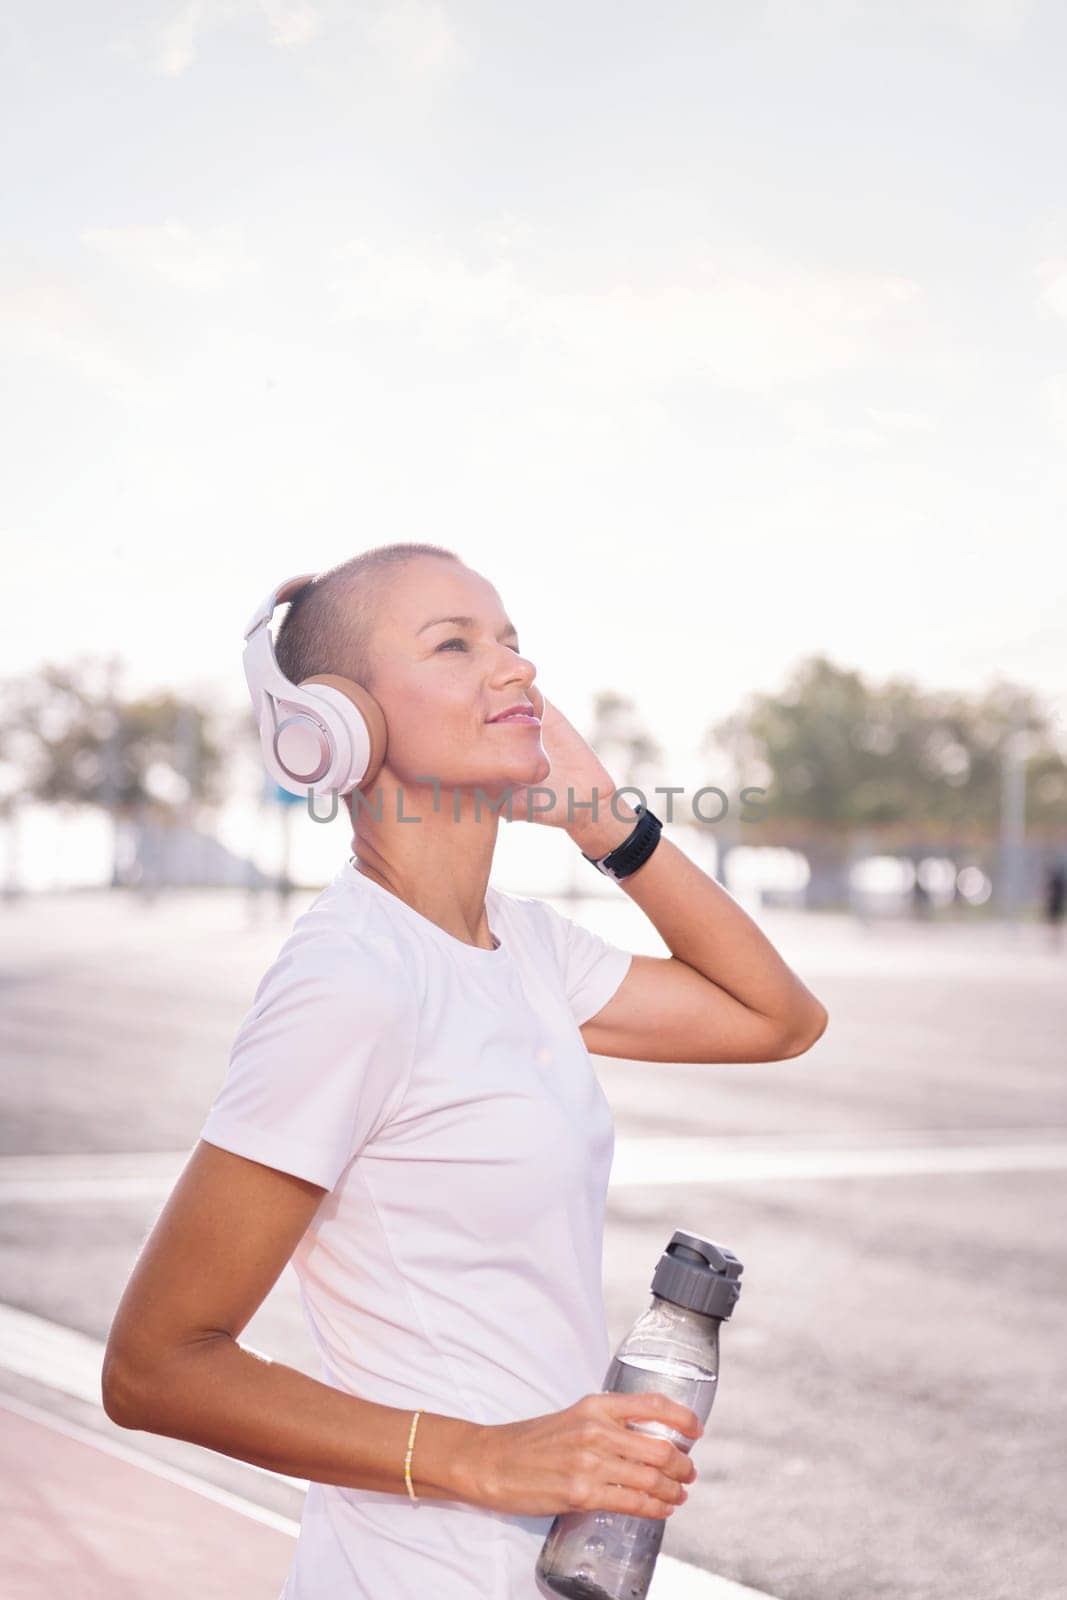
point(533, 920)
point(342, 949)
point(528, 905)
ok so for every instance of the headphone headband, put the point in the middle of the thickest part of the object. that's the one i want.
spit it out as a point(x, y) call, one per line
point(285, 591)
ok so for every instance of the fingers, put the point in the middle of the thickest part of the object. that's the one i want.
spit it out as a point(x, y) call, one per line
point(653, 1407)
point(657, 1453)
point(643, 1490)
point(654, 1467)
point(644, 1471)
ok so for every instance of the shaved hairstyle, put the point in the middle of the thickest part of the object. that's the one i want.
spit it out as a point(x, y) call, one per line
point(329, 624)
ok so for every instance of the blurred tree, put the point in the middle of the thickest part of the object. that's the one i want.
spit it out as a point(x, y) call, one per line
point(69, 737)
point(624, 744)
point(73, 738)
point(839, 756)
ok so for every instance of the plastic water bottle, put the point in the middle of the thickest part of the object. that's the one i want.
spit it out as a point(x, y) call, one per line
point(673, 1347)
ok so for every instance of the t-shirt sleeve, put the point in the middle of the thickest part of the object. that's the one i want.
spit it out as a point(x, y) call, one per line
point(590, 966)
point(322, 1059)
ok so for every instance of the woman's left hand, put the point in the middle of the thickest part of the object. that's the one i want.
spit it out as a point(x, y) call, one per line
point(576, 773)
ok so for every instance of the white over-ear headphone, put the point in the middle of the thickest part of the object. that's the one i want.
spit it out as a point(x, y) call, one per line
point(327, 733)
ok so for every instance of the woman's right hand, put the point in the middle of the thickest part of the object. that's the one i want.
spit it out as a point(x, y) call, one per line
point(587, 1458)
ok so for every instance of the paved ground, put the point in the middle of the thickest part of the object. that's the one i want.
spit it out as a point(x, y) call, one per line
point(891, 1416)
point(79, 1519)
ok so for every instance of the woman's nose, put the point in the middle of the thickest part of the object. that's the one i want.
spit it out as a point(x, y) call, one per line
point(517, 667)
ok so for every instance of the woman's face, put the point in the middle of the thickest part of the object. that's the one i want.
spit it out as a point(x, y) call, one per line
point(439, 681)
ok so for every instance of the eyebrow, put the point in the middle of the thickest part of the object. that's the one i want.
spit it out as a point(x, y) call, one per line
point(469, 622)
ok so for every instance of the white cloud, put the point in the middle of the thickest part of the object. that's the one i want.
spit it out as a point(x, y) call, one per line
point(177, 43)
point(751, 326)
point(291, 23)
point(813, 428)
point(211, 259)
point(417, 36)
point(903, 421)
point(993, 21)
point(1056, 394)
point(174, 49)
point(1053, 277)
point(46, 317)
point(990, 21)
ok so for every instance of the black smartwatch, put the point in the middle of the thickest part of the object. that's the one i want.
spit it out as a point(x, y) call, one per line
point(634, 850)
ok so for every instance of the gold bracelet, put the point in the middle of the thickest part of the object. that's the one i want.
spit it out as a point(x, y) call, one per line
point(407, 1458)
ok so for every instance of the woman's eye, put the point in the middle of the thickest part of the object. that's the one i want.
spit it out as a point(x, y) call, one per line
point(445, 644)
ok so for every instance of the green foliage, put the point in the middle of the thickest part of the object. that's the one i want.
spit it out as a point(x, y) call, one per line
point(837, 752)
point(68, 735)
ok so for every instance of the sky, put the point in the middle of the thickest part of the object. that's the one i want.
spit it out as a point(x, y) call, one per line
point(714, 335)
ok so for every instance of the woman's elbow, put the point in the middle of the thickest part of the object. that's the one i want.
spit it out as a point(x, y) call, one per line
point(119, 1392)
point(808, 1032)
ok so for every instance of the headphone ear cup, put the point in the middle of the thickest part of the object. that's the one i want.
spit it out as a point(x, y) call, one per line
point(372, 715)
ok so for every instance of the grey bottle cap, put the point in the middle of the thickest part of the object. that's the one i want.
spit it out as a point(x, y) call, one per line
point(698, 1274)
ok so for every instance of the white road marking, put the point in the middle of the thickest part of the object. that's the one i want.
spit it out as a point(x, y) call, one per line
point(73, 1189)
point(67, 1360)
point(64, 1359)
point(54, 1179)
point(677, 1580)
point(147, 1463)
point(696, 1161)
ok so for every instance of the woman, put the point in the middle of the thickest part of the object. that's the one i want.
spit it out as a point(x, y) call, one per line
point(410, 1116)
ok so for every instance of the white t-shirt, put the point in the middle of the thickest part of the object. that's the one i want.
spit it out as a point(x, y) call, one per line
point(444, 1096)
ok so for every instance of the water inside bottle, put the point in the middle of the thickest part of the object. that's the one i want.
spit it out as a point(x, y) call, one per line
point(609, 1555)
point(606, 1556)
point(684, 1381)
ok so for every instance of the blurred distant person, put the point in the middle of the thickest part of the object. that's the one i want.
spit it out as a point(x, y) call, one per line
point(1055, 898)
point(921, 903)
point(284, 888)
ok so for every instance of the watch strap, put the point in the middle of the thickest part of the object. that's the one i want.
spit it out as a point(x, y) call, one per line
point(634, 850)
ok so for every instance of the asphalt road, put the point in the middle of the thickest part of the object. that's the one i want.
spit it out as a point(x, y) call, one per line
point(891, 1417)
